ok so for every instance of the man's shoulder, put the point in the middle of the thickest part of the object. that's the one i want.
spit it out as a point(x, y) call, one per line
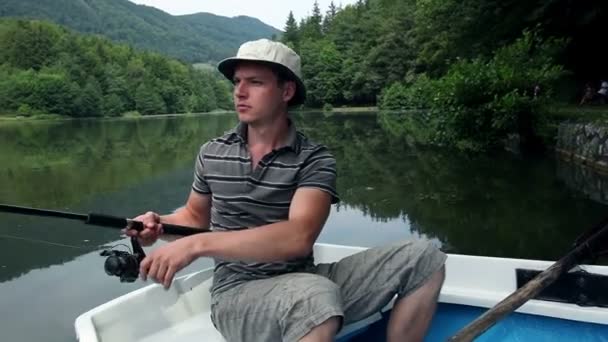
point(223, 141)
point(309, 146)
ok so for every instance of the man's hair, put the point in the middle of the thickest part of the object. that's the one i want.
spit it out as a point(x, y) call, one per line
point(282, 75)
point(280, 72)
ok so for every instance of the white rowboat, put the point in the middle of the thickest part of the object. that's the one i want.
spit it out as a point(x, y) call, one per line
point(153, 314)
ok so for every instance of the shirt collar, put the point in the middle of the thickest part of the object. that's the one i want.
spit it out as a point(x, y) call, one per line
point(291, 141)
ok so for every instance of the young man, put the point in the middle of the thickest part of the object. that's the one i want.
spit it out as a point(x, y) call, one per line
point(265, 191)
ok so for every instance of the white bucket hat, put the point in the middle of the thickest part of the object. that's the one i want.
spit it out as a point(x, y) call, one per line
point(275, 53)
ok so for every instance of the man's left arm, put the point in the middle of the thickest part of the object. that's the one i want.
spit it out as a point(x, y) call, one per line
point(279, 241)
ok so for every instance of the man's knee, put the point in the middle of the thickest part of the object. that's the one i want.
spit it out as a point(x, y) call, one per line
point(314, 296)
point(314, 308)
point(423, 266)
point(325, 331)
point(436, 279)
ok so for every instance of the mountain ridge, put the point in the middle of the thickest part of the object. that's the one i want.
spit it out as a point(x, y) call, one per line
point(197, 37)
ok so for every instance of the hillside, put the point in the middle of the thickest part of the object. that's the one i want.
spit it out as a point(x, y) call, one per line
point(48, 69)
point(200, 37)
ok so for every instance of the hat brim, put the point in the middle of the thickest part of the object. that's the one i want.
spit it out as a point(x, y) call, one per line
point(228, 65)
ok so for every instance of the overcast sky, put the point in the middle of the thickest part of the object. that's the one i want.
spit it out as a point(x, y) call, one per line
point(272, 12)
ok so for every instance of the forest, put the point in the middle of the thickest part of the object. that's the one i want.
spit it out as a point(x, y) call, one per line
point(47, 69)
point(475, 71)
point(467, 73)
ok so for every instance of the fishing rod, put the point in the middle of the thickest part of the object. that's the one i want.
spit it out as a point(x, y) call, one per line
point(99, 219)
point(124, 265)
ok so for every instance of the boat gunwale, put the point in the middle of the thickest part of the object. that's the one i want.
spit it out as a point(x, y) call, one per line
point(451, 294)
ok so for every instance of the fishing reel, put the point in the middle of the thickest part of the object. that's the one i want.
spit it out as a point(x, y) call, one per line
point(122, 264)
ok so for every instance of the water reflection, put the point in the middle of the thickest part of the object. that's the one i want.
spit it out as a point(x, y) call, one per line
point(347, 225)
point(499, 205)
point(43, 304)
point(118, 167)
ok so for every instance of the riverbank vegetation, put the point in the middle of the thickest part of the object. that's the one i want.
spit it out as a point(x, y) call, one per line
point(465, 74)
point(48, 69)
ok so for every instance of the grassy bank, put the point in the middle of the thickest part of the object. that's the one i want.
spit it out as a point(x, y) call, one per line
point(579, 113)
point(344, 109)
point(14, 117)
point(127, 115)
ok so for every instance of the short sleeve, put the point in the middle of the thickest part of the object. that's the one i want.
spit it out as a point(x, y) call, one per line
point(319, 171)
point(199, 184)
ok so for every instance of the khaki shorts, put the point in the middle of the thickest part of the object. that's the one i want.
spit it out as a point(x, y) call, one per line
point(287, 307)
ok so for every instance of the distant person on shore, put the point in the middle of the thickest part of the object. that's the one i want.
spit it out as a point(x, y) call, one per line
point(588, 95)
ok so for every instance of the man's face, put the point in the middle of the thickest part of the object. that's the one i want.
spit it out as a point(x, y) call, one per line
point(258, 97)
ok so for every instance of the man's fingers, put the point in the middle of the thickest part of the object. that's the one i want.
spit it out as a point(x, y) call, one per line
point(169, 276)
point(153, 270)
point(152, 228)
point(130, 232)
point(143, 268)
point(146, 233)
point(160, 273)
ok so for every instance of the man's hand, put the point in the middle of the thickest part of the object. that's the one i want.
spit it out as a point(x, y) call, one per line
point(152, 228)
point(162, 264)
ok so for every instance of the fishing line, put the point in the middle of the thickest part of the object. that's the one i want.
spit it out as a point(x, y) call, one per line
point(6, 236)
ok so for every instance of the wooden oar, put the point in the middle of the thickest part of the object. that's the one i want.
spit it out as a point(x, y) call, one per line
point(589, 245)
point(99, 219)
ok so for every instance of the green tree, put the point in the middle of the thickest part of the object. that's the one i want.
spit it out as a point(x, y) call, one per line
point(90, 76)
point(291, 36)
point(112, 105)
point(29, 44)
point(148, 101)
point(89, 102)
point(322, 73)
point(330, 15)
point(311, 27)
point(478, 102)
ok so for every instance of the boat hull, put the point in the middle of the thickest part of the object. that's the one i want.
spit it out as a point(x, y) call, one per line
point(472, 284)
point(516, 327)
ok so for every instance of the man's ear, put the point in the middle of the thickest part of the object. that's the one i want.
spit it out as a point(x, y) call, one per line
point(289, 90)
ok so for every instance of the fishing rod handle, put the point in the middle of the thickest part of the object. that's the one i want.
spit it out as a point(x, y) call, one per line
point(121, 222)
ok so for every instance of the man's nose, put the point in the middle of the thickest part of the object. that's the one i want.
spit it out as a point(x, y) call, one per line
point(240, 90)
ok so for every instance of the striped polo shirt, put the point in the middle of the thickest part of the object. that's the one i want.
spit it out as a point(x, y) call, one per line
point(245, 198)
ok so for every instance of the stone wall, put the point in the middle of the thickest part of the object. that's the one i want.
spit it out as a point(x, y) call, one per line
point(584, 143)
point(583, 159)
point(584, 180)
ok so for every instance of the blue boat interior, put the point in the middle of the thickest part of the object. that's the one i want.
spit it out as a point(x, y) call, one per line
point(516, 327)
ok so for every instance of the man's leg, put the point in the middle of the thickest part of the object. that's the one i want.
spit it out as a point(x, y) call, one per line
point(324, 332)
point(412, 315)
point(411, 270)
point(287, 308)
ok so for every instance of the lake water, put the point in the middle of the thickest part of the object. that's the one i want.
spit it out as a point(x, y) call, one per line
point(50, 269)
